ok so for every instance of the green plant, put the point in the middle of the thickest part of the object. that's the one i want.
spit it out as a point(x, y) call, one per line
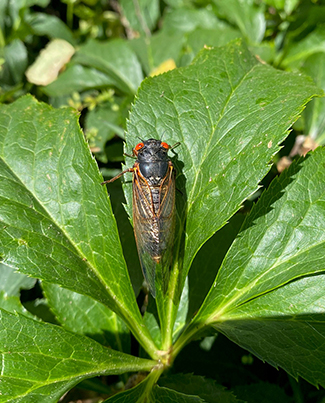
point(230, 112)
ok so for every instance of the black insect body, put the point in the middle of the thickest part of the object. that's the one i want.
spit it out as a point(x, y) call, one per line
point(153, 208)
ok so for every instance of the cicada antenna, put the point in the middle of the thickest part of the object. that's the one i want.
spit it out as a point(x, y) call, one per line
point(175, 145)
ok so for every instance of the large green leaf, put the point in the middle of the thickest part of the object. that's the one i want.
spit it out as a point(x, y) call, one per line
point(229, 112)
point(282, 240)
point(207, 262)
point(41, 361)
point(83, 315)
point(115, 59)
point(290, 336)
point(126, 234)
point(56, 219)
point(146, 391)
point(206, 389)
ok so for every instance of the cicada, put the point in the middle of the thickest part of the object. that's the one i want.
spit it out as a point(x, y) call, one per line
point(153, 208)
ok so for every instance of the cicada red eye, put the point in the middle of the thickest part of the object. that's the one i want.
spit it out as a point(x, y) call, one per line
point(138, 146)
point(165, 145)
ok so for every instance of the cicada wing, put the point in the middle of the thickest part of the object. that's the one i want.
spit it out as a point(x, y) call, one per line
point(167, 219)
point(145, 229)
point(154, 230)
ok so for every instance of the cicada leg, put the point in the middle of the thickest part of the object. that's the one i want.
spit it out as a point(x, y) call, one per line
point(118, 176)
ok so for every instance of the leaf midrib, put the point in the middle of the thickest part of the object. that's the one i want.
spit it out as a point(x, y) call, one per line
point(206, 151)
point(80, 254)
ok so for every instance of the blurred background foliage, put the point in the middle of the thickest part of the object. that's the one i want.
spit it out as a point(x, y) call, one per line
point(93, 54)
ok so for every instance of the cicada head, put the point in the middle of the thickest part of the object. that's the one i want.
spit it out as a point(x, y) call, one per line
point(151, 150)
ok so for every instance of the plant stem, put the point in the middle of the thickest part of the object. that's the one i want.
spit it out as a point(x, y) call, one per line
point(2, 39)
point(70, 14)
point(154, 376)
point(142, 334)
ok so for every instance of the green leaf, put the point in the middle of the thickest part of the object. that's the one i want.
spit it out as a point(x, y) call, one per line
point(77, 78)
point(178, 3)
point(163, 395)
point(16, 60)
point(201, 28)
point(295, 346)
point(229, 112)
point(248, 17)
point(43, 24)
point(10, 286)
point(282, 240)
point(126, 235)
point(16, 8)
point(151, 320)
point(314, 114)
point(178, 23)
point(56, 219)
point(115, 59)
point(266, 51)
point(41, 361)
point(83, 315)
point(142, 15)
point(182, 312)
point(219, 36)
point(188, 19)
point(146, 392)
point(152, 51)
point(191, 384)
point(297, 52)
point(206, 264)
point(12, 282)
